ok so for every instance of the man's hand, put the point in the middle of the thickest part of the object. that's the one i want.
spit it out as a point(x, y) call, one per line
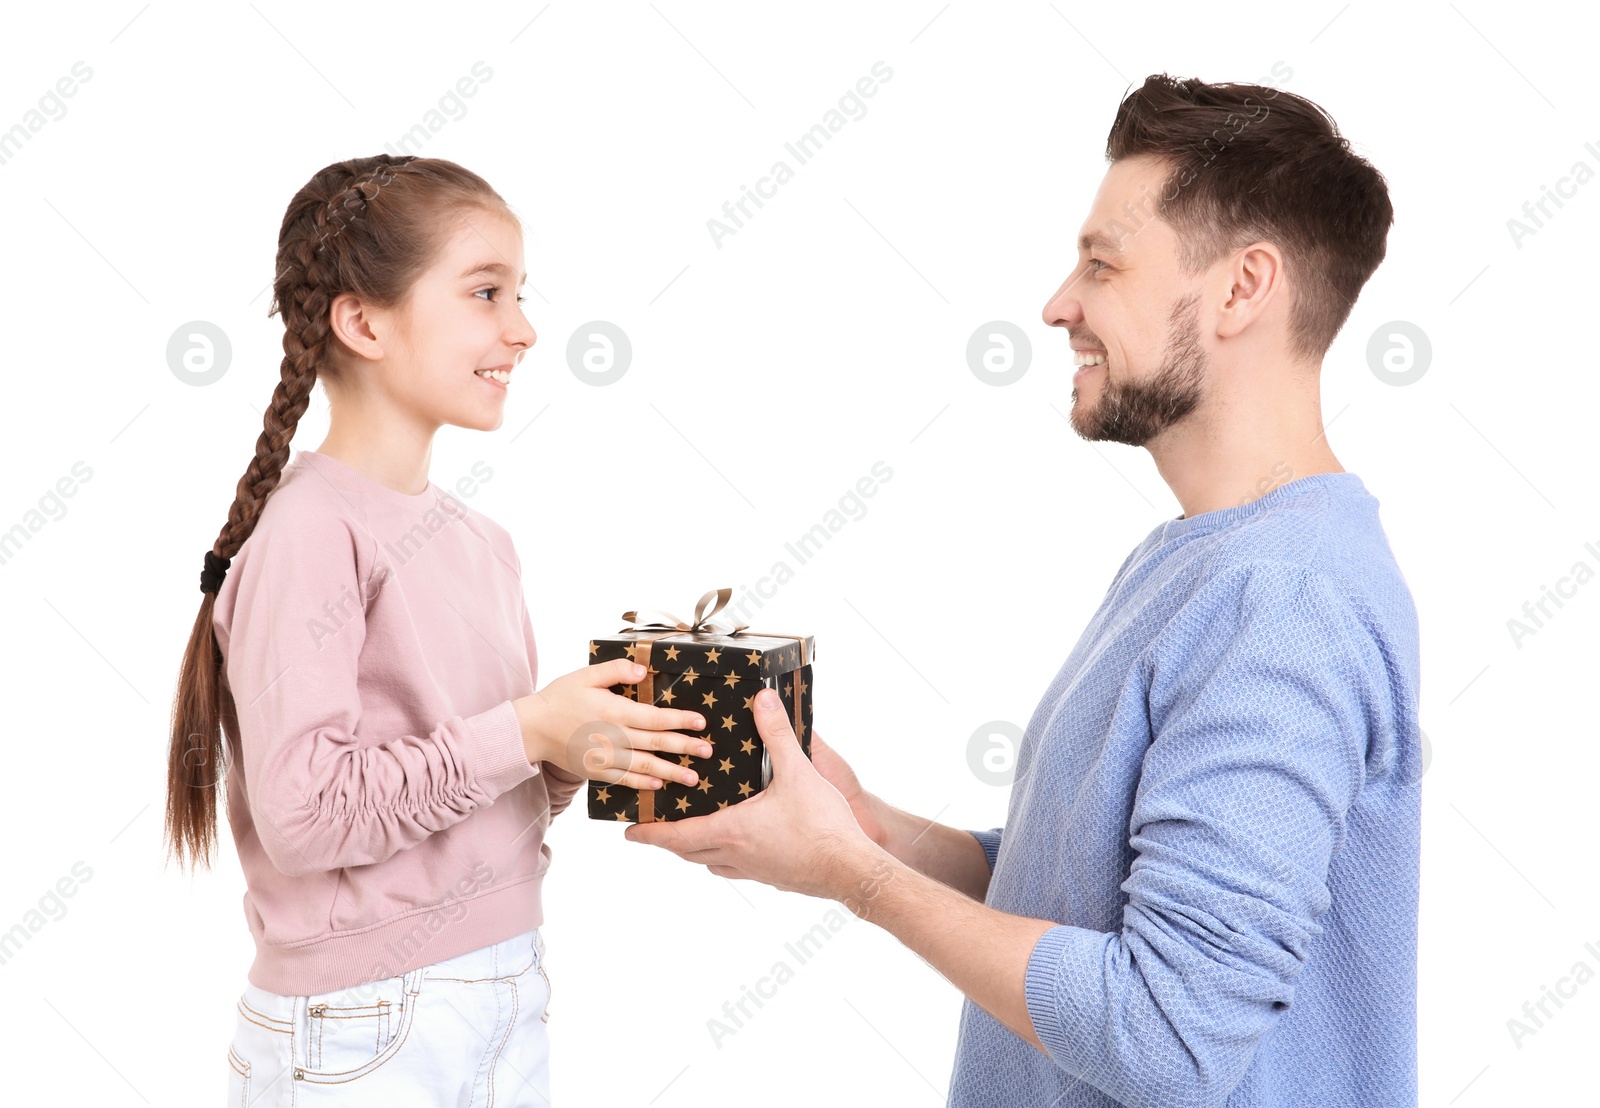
point(799, 834)
point(866, 807)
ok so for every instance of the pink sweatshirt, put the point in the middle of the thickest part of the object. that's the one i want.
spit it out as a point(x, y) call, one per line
point(385, 813)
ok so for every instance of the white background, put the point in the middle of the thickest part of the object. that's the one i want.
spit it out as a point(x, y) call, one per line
point(769, 375)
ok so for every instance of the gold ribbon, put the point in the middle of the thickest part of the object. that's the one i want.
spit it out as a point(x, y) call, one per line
point(704, 623)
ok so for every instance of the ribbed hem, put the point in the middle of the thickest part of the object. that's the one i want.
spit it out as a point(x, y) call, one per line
point(1043, 984)
point(389, 949)
point(990, 841)
point(499, 759)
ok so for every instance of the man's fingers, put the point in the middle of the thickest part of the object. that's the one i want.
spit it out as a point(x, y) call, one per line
point(777, 732)
point(683, 836)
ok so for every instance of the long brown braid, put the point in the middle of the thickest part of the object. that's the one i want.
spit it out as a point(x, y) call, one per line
point(366, 226)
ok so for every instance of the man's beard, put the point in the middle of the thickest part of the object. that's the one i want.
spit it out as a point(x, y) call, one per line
point(1134, 412)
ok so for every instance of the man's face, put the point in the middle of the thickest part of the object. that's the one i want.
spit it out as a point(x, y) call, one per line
point(1127, 302)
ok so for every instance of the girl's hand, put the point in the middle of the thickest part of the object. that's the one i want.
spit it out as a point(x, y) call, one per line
point(577, 723)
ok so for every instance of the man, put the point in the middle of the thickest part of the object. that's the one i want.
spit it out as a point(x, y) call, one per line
point(1205, 892)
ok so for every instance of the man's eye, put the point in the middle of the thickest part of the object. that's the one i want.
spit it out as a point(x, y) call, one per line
point(1098, 262)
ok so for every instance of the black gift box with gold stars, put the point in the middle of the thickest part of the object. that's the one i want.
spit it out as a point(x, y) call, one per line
point(718, 676)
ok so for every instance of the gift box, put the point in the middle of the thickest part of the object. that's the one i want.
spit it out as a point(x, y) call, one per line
point(714, 667)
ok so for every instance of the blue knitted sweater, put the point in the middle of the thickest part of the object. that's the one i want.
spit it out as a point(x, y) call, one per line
point(1217, 802)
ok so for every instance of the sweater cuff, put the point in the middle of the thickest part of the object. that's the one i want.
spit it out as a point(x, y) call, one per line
point(990, 841)
point(494, 739)
point(1050, 967)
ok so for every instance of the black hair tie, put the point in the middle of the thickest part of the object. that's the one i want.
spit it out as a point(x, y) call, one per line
point(211, 576)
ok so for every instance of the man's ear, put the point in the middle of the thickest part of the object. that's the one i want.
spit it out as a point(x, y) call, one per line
point(1255, 282)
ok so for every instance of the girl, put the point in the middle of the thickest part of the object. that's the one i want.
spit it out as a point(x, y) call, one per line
point(369, 661)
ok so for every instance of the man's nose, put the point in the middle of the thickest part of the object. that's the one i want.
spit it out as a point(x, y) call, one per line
point(1062, 309)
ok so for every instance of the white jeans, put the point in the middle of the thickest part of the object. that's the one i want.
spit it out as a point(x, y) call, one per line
point(469, 1030)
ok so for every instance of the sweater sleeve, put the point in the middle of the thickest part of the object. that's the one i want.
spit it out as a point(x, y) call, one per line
point(560, 786)
point(990, 841)
point(320, 799)
point(1260, 709)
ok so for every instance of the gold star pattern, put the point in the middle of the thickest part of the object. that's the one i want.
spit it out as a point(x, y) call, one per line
point(728, 776)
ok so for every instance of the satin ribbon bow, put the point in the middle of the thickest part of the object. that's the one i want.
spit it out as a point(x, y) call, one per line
point(704, 621)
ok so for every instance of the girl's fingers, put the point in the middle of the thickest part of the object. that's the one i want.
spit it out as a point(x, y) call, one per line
point(618, 671)
point(634, 767)
point(648, 717)
point(638, 781)
point(671, 742)
point(649, 765)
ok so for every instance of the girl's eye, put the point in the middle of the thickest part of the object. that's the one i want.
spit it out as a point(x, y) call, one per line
point(496, 289)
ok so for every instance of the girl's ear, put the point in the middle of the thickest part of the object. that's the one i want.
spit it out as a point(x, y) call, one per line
point(357, 325)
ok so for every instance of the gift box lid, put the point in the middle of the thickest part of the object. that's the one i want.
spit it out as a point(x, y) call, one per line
point(709, 654)
point(707, 647)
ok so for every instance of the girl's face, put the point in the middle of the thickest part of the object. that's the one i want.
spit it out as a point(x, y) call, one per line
point(464, 315)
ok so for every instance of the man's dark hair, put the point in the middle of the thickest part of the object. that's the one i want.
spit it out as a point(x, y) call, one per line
point(1251, 163)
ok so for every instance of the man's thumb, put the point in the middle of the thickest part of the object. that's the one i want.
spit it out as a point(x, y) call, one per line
point(776, 729)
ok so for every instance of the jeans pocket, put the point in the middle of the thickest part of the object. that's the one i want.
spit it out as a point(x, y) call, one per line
point(351, 1032)
point(259, 1054)
point(538, 946)
point(238, 1080)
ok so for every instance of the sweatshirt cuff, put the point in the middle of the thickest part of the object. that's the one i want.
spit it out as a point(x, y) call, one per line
point(990, 841)
point(499, 759)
